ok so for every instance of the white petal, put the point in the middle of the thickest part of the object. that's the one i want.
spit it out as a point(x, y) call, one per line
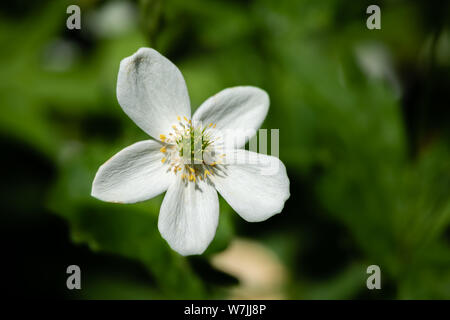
point(134, 174)
point(189, 216)
point(237, 112)
point(255, 185)
point(152, 91)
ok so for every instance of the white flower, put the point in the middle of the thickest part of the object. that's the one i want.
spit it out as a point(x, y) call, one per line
point(189, 160)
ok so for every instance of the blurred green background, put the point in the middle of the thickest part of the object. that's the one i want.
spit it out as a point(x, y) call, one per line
point(364, 133)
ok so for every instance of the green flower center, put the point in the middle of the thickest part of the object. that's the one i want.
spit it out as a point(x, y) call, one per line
point(192, 143)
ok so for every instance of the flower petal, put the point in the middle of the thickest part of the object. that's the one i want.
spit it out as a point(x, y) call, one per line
point(152, 91)
point(255, 185)
point(134, 174)
point(189, 216)
point(237, 113)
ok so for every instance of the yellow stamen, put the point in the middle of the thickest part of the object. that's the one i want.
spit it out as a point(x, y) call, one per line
point(178, 118)
point(191, 170)
point(163, 149)
point(162, 137)
point(210, 125)
point(163, 160)
point(214, 125)
point(207, 173)
point(185, 119)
